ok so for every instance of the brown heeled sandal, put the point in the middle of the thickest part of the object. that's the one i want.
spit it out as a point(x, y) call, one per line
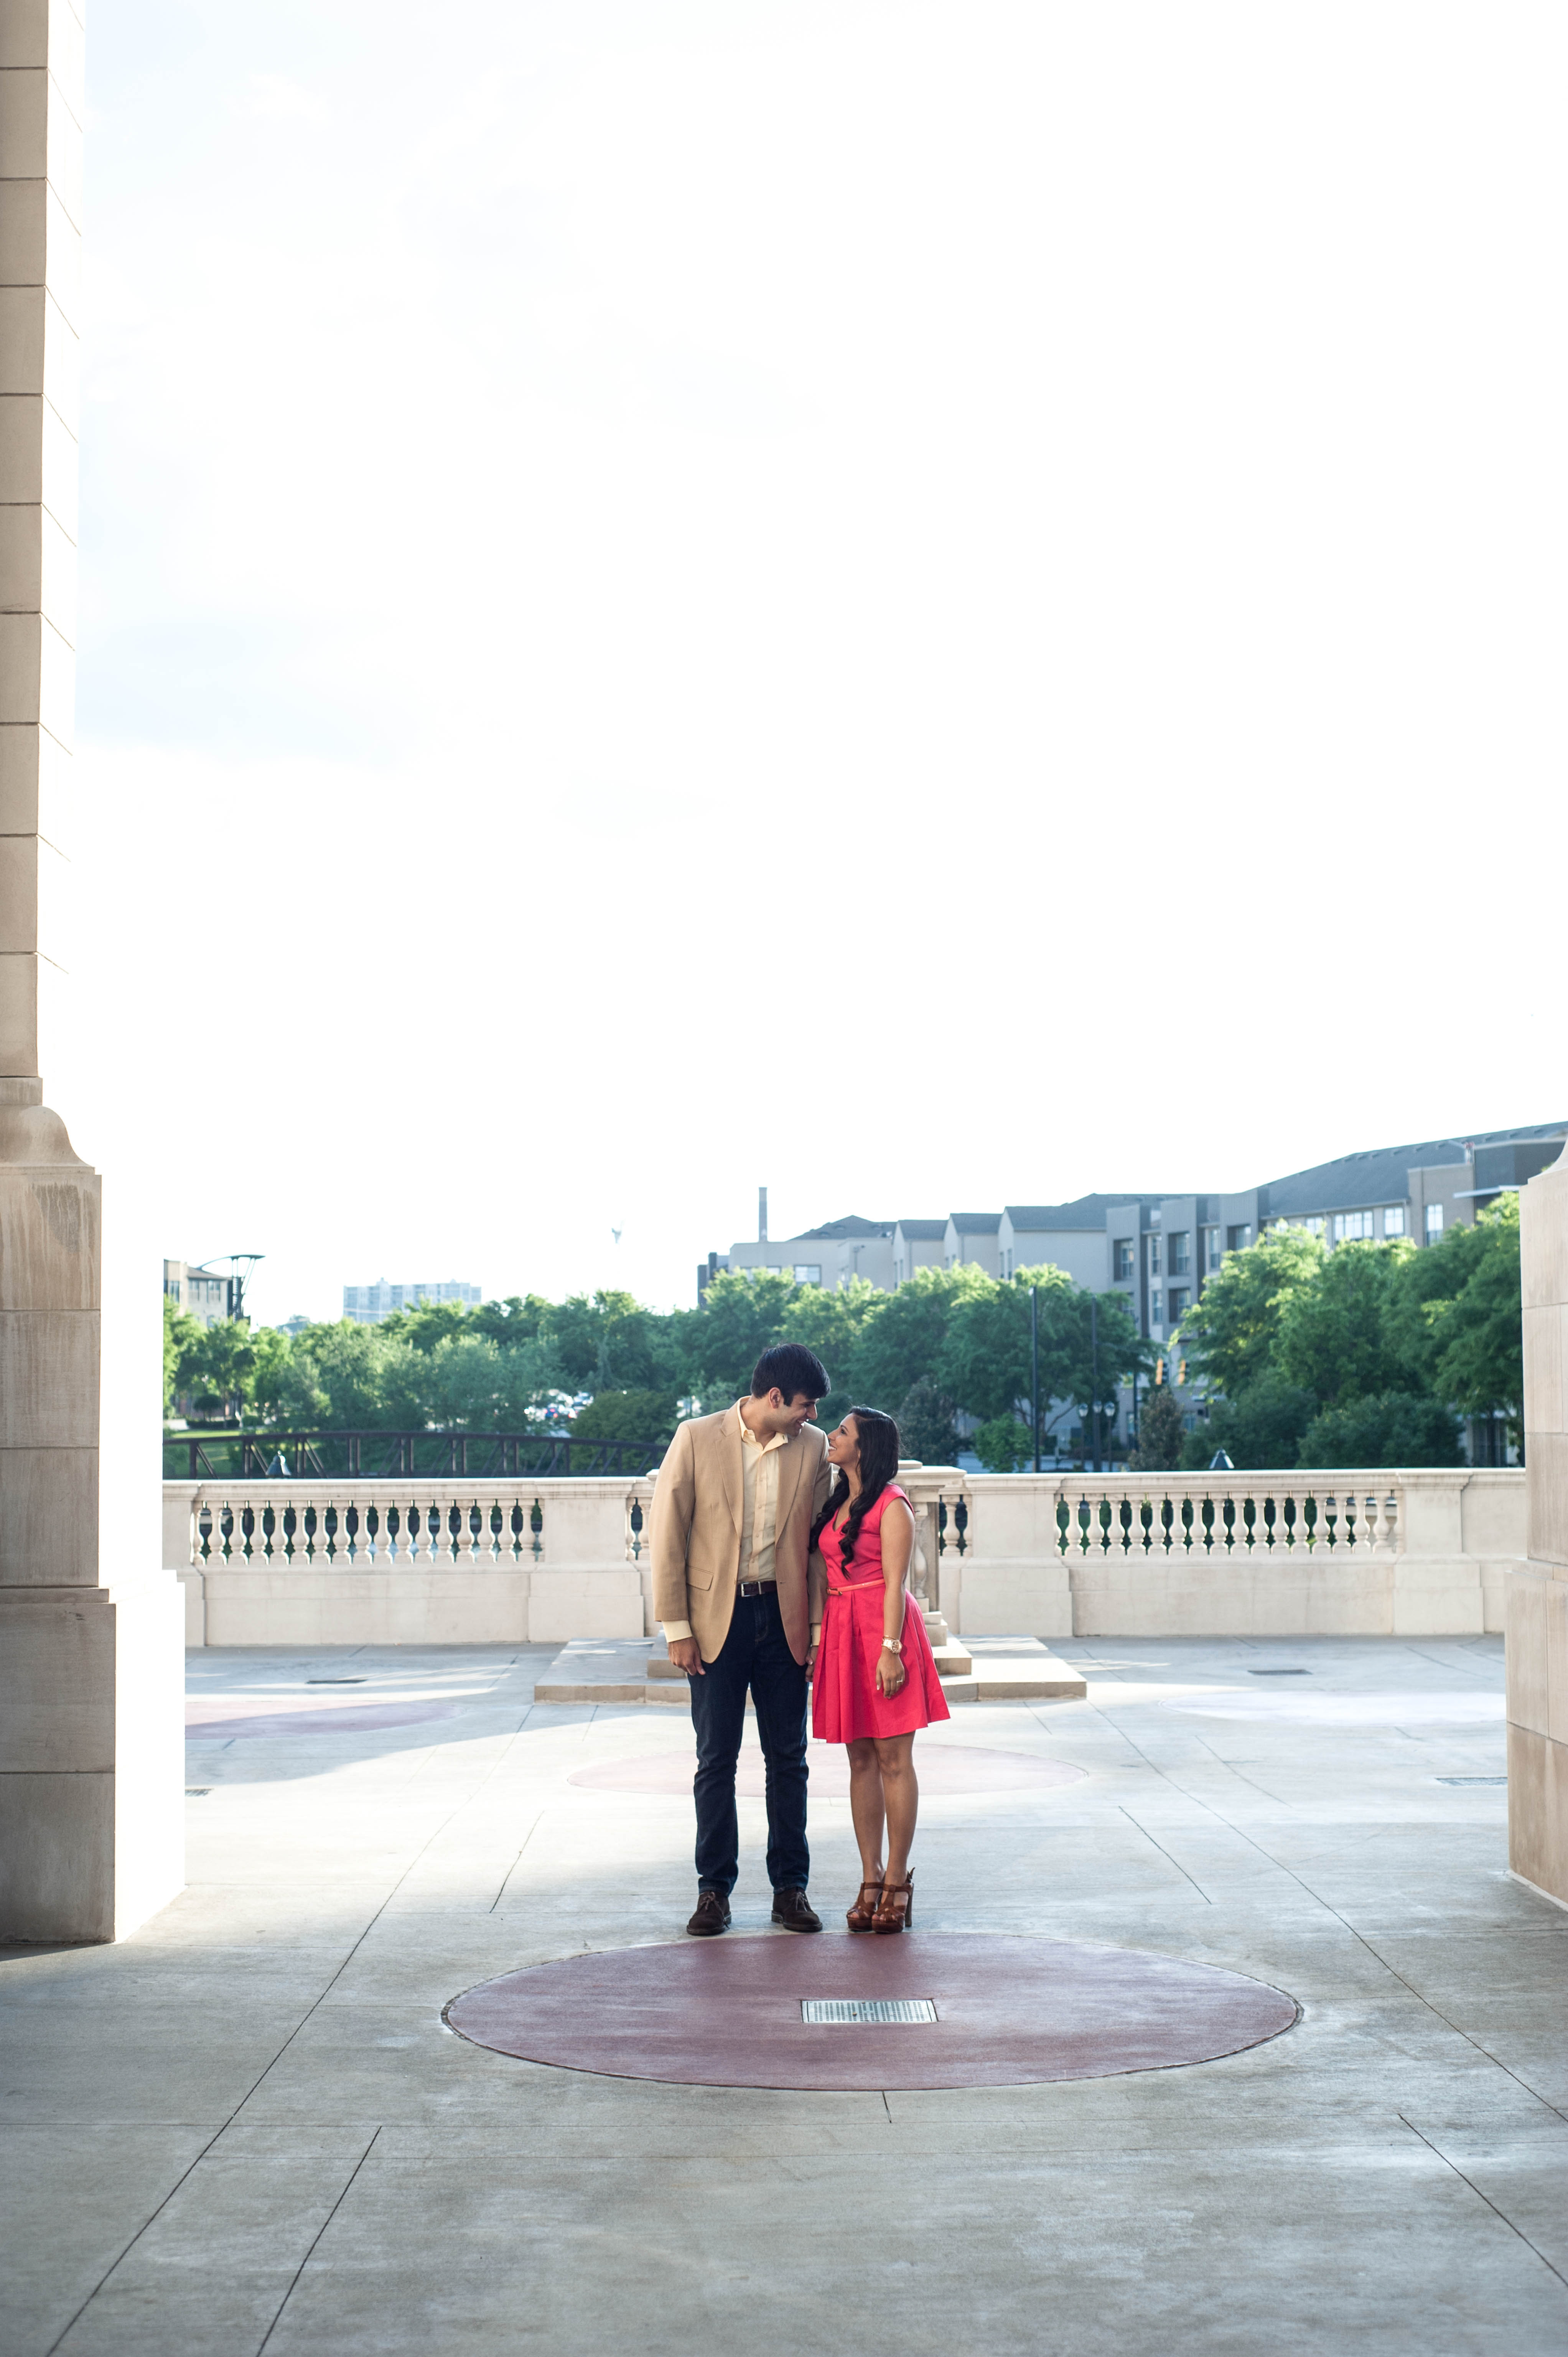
point(862, 1918)
point(896, 1911)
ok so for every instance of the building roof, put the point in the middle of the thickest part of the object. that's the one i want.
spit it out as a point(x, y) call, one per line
point(973, 1223)
point(1359, 1181)
point(922, 1231)
point(835, 1231)
point(1087, 1211)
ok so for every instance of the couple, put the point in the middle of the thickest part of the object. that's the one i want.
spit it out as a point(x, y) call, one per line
point(780, 1559)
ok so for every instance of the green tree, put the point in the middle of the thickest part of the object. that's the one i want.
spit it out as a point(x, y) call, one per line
point(1392, 1428)
point(1231, 1332)
point(215, 1365)
point(742, 1313)
point(348, 1377)
point(1088, 1342)
point(625, 1415)
point(269, 1374)
point(984, 1361)
point(833, 1322)
point(1162, 1433)
point(1004, 1445)
point(1260, 1430)
point(181, 1334)
point(925, 1426)
point(1463, 1319)
point(901, 1346)
point(1337, 1336)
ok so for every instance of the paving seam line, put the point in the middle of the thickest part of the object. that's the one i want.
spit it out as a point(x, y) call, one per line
point(1330, 1909)
point(1487, 2198)
point(314, 2239)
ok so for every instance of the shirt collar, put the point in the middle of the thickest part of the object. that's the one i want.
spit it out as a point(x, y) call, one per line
point(748, 1438)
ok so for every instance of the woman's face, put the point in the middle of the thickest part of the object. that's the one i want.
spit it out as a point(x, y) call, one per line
point(844, 1446)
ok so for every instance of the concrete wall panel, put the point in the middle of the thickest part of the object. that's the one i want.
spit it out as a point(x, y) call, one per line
point(48, 1517)
point(48, 1379)
point(57, 1852)
point(50, 1229)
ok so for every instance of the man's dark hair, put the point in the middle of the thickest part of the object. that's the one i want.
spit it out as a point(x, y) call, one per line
point(793, 1369)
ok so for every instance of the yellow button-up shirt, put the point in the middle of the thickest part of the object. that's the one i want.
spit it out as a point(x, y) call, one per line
point(759, 1511)
point(759, 1516)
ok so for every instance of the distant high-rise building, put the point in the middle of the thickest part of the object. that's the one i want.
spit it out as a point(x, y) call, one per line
point(367, 1305)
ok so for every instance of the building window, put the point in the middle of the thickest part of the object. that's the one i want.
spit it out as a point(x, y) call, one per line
point(1181, 1253)
point(1181, 1295)
point(1154, 1256)
point(1393, 1220)
point(1238, 1239)
point(808, 1272)
point(1209, 1251)
point(1123, 1255)
point(1351, 1227)
point(1433, 1222)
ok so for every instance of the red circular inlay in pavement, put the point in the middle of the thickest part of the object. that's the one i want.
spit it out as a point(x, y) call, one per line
point(325, 1719)
point(726, 2012)
point(942, 1769)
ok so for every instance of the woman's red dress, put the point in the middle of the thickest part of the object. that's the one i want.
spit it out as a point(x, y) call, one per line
point(847, 1701)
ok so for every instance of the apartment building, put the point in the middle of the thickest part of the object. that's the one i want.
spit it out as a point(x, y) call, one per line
point(201, 1294)
point(367, 1305)
point(1156, 1249)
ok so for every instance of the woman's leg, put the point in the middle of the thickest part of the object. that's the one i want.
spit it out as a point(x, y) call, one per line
point(900, 1798)
point(865, 1805)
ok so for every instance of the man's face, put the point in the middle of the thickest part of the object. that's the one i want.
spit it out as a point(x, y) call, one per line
point(790, 1415)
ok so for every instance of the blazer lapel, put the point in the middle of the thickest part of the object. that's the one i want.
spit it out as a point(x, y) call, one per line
point(791, 1460)
point(731, 1473)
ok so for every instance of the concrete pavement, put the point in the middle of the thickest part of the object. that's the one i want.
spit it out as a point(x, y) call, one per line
point(248, 2128)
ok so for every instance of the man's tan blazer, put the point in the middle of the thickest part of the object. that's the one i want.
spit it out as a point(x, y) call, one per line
point(698, 1503)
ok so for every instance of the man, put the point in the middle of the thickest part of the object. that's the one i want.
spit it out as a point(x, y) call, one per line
point(733, 1509)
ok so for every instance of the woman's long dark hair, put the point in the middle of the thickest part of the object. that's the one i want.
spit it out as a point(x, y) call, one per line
point(877, 1436)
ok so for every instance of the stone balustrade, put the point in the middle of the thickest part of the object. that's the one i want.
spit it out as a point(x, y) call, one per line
point(367, 1561)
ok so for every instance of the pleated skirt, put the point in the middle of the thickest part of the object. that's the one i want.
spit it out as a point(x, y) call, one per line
point(847, 1701)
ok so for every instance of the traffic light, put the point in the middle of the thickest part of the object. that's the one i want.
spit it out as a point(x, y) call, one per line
point(1181, 1372)
point(1159, 1371)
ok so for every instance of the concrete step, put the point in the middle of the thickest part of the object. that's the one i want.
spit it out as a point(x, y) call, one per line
point(1035, 1676)
point(953, 1660)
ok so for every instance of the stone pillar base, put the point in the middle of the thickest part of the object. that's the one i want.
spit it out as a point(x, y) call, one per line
point(91, 1759)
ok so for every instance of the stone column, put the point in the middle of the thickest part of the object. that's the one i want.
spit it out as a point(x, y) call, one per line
point(1537, 1596)
point(90, 1768)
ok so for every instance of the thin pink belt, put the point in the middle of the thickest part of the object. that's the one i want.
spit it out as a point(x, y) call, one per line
point(851, 1587)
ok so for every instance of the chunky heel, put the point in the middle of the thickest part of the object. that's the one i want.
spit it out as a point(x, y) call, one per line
point(896, 1911)
point(862, 1918)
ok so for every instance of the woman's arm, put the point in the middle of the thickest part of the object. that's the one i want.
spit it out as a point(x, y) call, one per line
point(898, 1545)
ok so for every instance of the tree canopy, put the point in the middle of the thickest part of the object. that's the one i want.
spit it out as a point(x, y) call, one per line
point(1365, 1356)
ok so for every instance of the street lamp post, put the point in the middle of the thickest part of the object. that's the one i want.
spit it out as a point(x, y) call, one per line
point(1034, 1369)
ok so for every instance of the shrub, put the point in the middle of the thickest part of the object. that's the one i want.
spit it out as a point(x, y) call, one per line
point(625, 1415)
point(1394, 1429)
point(1005, 1446)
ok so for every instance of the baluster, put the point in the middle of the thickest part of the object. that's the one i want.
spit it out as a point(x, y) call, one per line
point(1390, 1541)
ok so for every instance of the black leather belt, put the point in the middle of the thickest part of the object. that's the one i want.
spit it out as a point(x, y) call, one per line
point(755, 1587)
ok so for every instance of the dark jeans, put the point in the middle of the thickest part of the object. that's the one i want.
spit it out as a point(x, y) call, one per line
point(755, 1654)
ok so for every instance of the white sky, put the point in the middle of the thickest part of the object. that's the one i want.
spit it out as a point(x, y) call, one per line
point(930, 605)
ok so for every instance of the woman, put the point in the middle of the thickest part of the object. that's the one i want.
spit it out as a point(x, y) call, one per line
point(876, 1682)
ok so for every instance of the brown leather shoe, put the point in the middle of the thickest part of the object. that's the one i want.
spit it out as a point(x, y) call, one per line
point(712, 1915)
point(794, 1911)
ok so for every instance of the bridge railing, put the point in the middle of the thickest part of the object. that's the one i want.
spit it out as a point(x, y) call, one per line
point(218, 1455)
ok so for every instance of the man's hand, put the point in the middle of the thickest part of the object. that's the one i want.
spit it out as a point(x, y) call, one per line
point(687, 1656)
